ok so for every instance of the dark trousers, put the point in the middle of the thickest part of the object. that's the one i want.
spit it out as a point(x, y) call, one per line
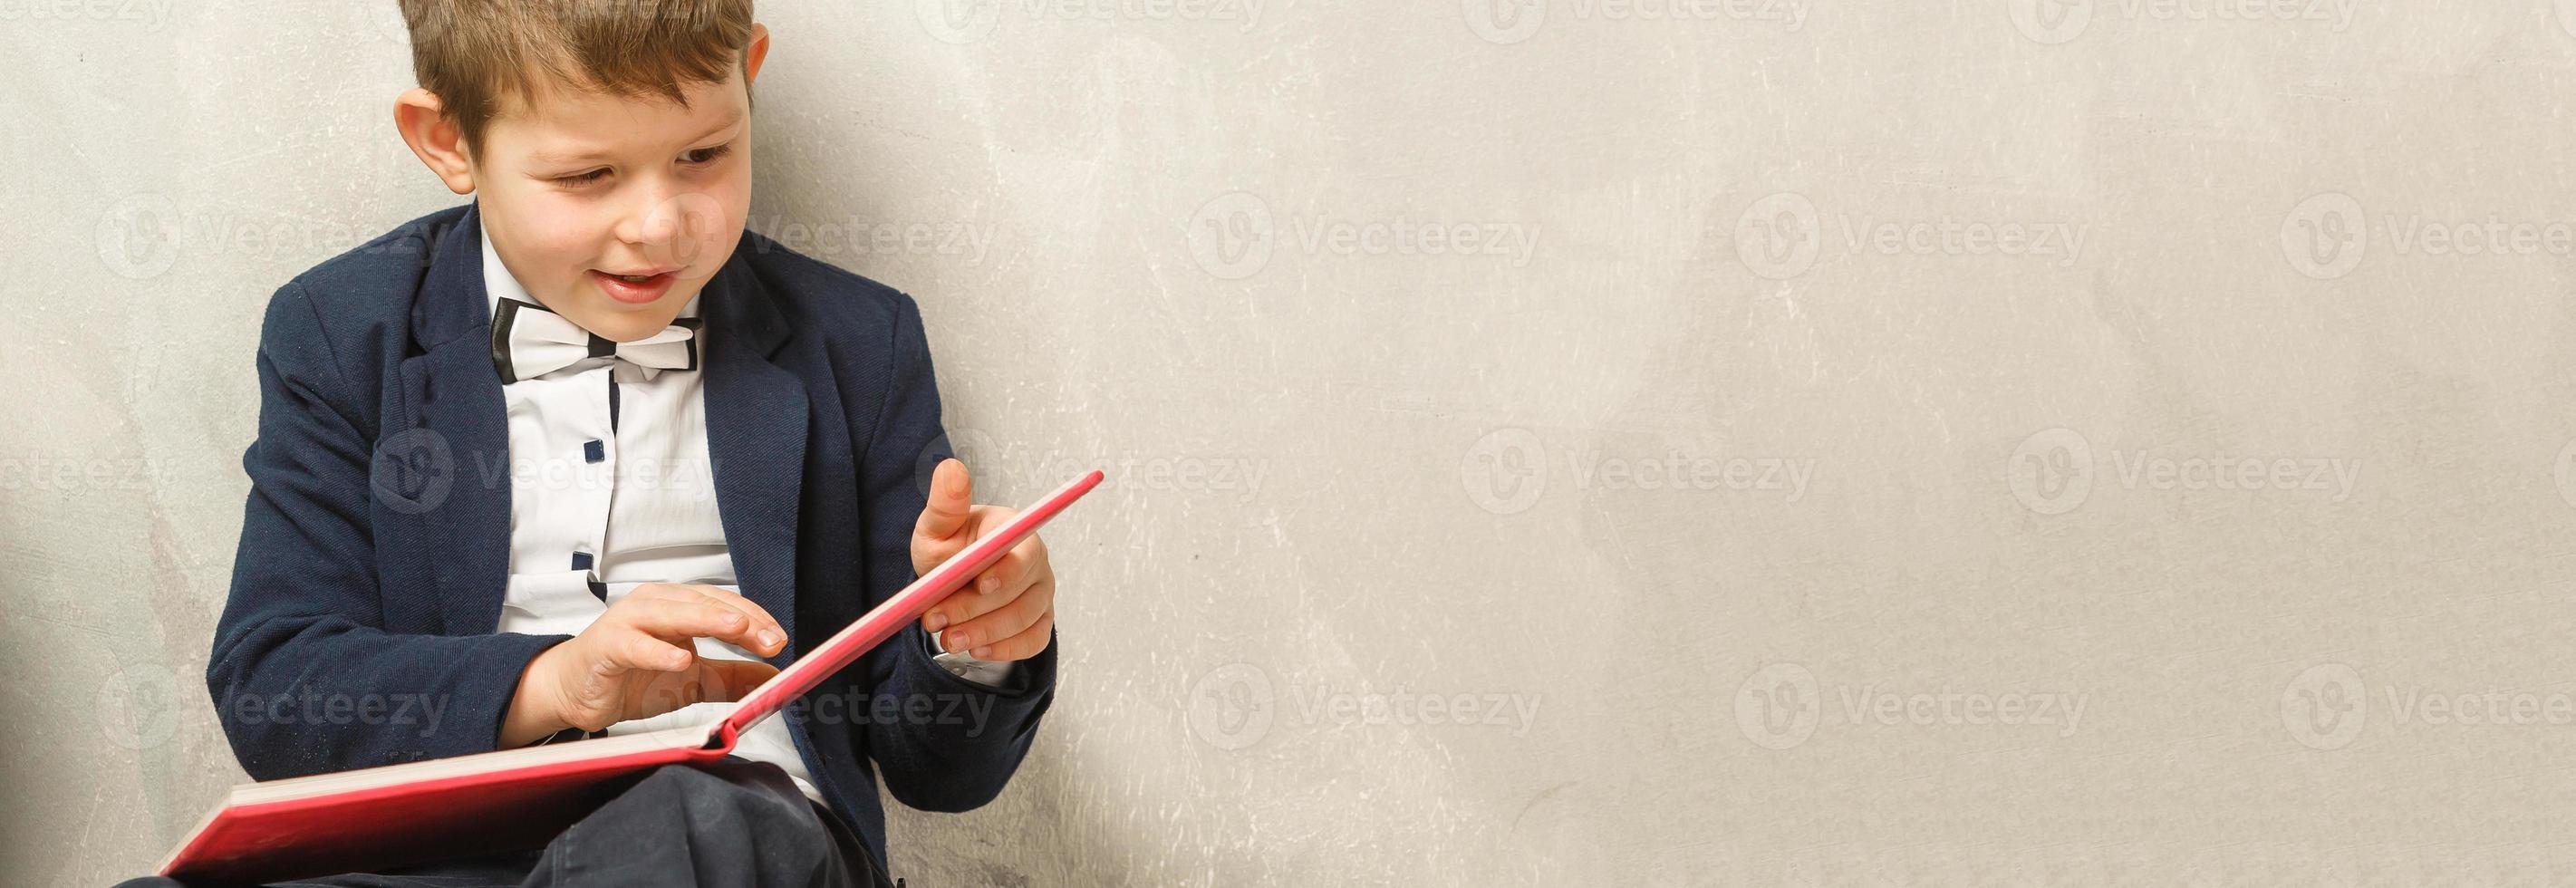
point(733, 823)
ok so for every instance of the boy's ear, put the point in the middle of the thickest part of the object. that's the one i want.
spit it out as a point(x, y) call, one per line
point(754, 53)
point(434, 139)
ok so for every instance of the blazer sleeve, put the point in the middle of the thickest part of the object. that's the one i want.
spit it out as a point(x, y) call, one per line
point(931, 763)
point(305, 677)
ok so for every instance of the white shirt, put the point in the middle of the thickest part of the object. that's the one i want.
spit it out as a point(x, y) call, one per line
point(624, 504)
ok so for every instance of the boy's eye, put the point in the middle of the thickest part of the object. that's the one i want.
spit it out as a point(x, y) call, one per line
point(697, 157)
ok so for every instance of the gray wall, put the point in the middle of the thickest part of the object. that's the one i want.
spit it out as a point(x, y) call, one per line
point(2177, 492)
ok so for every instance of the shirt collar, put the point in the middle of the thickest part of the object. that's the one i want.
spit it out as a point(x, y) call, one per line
point(499, 283)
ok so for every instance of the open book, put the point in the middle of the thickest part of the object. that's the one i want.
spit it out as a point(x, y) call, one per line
point(375, 818)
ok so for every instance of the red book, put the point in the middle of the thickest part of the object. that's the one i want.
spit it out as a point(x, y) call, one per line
point(377, 818)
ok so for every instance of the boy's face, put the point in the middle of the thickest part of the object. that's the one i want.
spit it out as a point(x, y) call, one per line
point(614, 212)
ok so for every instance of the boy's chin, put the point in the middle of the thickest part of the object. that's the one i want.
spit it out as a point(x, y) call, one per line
point(627, 323)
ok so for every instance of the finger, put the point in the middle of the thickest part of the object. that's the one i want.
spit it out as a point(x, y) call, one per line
point(708, 679)
point(665, 693)
point(1017, 569)
point(1027, 644)
point(724, 681)
point(764, 629)
point(1004, 622)
point(1007, 579)
point(693, 618)
point(639, 650)
point(951, 501)
point(996, 586)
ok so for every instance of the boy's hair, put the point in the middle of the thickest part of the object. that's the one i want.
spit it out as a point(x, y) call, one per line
point(475, 53)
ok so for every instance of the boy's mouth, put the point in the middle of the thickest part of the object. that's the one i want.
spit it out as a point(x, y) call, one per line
point(634, 289)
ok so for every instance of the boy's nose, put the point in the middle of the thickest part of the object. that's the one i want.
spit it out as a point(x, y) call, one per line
point(672, 228)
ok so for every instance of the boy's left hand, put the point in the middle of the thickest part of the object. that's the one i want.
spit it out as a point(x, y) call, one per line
point(1009, 611)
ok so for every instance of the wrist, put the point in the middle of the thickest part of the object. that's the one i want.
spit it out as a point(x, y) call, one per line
point(535, 711)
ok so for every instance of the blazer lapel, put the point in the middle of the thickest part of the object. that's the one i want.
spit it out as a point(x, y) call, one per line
point(453, 395)
point(756, 430)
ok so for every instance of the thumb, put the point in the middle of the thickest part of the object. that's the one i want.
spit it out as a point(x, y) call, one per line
point(951, 495)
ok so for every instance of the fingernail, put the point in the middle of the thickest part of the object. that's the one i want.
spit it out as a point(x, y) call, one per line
point(983, 653)
point(989, 584)
point(936, 622)
point(768, 638)
point(957, 641)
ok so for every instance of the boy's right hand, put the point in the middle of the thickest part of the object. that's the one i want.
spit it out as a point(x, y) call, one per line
point(639, 660)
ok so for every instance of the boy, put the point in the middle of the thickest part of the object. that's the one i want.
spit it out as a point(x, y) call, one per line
point(578, 455)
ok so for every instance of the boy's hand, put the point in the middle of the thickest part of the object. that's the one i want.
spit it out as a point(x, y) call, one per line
point(1009, 612)
point(639, 660)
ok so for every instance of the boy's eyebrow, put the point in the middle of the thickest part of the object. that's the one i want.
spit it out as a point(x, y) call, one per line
point(731, 118)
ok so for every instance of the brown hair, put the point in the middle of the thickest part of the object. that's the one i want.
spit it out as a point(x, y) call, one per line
point(475, 53)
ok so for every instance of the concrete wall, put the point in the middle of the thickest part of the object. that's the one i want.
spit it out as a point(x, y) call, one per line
point(1859, 443)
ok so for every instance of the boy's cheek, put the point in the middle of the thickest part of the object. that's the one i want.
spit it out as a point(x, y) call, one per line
point(554, 238)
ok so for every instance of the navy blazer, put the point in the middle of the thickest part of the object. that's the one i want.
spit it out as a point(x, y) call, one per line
point(375, 545)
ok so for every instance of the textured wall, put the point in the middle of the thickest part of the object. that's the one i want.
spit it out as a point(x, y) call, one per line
point(1870, 443)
